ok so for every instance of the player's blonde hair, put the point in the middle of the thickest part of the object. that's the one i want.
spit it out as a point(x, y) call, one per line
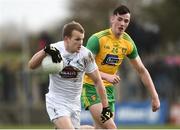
point(69, 27)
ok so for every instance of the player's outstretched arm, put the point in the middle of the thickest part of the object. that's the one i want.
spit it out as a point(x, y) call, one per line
point(147, 81)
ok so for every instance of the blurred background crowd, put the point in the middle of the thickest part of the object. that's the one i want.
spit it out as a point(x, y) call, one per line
point(155, 28)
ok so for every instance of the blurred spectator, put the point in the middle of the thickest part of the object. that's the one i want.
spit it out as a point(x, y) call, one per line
point(8, 83)
point(165, 77)
point(146, 41)
point(45, 39)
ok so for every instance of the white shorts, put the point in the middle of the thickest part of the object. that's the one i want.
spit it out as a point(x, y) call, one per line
point(56, 110)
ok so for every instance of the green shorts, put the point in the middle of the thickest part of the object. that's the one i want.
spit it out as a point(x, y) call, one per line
point(89, 96)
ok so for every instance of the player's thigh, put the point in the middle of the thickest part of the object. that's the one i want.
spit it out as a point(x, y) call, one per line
point(63, 123)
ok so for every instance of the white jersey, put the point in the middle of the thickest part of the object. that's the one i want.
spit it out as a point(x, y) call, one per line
point(65, 87)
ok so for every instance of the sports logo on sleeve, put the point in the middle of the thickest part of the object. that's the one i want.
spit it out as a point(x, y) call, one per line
point(110, 60)
point(90, 56)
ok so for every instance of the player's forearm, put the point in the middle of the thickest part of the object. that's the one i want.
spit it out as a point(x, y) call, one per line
point(148, 83)
point(104, 75)
point(95, 76)
point(36, 60)
point(103, 97)
point(102, 93)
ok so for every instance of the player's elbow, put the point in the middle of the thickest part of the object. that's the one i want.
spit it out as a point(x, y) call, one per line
point(96, 82)
point(99, 83)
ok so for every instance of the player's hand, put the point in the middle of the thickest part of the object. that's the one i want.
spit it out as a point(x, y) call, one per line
point(106, 114)
point(155, 104)
point(54, 53)
point(114, 79)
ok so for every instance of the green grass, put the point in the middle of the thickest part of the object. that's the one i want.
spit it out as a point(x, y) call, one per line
point(26, 126)
point(49, 126)
point(167, 126)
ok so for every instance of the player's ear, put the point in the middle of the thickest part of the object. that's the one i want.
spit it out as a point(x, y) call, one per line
point(65, 38)
point(111, 19)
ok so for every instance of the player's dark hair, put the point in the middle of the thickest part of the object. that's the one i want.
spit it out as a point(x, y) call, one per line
point(69, 27)
point(122, 9)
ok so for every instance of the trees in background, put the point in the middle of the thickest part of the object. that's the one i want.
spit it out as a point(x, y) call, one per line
point(158, 21)
point(165, 14)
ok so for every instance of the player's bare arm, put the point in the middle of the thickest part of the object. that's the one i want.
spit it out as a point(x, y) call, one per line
point(39, 56)
point(147, 81)
point(114, 79)
point(36, 60)
point(95, 76)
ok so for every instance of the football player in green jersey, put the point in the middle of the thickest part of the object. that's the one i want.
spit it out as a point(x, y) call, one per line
point(110, 47)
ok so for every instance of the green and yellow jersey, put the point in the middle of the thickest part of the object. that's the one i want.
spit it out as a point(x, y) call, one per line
point(110, 51)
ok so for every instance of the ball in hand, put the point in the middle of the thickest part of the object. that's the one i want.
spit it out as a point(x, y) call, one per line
point(50, 67)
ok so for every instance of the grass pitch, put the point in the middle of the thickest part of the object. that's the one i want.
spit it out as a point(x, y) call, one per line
point(50, 126)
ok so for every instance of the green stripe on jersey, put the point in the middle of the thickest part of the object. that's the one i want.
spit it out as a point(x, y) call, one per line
point(134, 53)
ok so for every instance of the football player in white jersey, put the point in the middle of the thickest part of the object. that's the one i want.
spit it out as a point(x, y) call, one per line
point(63, 99)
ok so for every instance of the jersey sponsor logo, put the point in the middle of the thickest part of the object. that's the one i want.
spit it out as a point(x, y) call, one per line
point(110, 60)
point(69, 72)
